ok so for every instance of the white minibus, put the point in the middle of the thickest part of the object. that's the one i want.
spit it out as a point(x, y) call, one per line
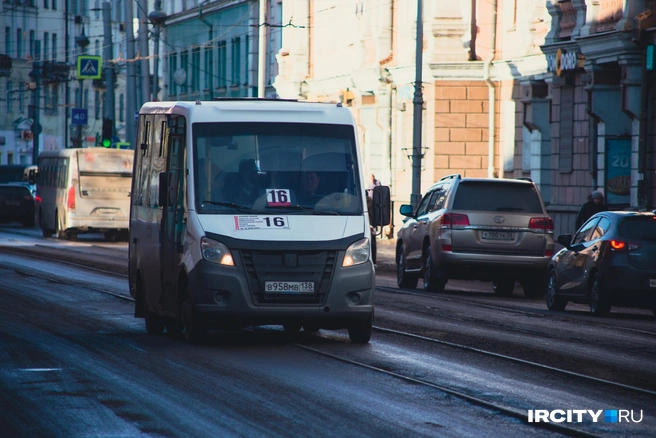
point(248, 212)
point(84, 190)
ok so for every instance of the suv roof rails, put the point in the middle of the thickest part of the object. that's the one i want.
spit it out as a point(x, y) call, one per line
point(452, 176)
point(525, 178)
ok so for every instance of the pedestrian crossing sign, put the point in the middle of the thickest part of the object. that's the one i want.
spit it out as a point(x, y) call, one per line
point(88, 67)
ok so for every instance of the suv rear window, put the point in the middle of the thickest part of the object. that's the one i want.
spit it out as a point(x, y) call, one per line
point(638, 227)
point(484, 196)
point(13, 192)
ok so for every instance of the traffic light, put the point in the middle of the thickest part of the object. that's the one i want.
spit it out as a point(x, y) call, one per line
point(107, 132)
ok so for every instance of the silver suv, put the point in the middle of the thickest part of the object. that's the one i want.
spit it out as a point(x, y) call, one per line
point(477, 229)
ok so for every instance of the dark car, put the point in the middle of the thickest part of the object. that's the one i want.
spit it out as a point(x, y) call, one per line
point(17, 204)
point(476, 229)
point(611, 260)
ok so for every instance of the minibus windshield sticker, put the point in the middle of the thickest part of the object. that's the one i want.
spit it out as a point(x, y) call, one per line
point(252, 222)
point(278, 198)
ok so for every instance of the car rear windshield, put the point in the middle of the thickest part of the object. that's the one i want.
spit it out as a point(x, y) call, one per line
point(509, 197)
point(14, 192)
point(638, 227)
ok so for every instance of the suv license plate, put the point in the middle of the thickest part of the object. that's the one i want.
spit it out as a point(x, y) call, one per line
point(652, 282)
point(497, 235)
point(288, 287)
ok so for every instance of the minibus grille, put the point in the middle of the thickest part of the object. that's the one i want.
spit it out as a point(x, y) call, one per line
point(289, 266)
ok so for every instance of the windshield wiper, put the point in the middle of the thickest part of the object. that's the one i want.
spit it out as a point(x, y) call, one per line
point(308, 210)
point(235, 206)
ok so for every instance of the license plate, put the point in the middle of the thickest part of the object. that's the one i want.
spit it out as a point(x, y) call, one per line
point(498, 235)
point(652, 282)
point(288, 287)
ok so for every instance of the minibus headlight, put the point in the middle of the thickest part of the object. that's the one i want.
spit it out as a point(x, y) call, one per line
point(357, 253)
point(216, 252)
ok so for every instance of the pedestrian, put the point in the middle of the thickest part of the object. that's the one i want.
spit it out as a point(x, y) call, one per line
point(594, 205)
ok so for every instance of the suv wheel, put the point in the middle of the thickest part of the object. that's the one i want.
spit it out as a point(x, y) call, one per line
point(599, 299)
point(504, 287)
point(431, 281)
point(554, 301)
point(403, 279)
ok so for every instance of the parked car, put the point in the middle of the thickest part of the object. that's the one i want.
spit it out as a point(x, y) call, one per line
point(477, 229)
point(611, 260)
point(17, 204)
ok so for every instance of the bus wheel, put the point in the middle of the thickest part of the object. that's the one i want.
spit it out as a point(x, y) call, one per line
point(59, 232)
point(194, 329)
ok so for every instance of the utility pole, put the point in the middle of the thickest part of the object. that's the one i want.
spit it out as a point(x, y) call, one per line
point(157, 17)
point(36, 125)
point(418, 104)
point(82, 41)
point(144, 65)
point(130, 96)
point(261, 56)
point(108, 65)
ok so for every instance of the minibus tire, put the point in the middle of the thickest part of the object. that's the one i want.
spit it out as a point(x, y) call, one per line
point(360, 330)
point(154, 323)
point(195, 331)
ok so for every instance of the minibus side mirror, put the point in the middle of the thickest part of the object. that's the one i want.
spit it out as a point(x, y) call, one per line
point(163, 188)
point(381, 206)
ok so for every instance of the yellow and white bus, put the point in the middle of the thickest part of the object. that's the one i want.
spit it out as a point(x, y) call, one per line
point(85, 190)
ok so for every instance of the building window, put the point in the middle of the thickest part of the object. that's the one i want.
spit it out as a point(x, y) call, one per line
point(97, 9)
point(246, 49)
point(46, 4)
point(21, 102)
point(9, 96)
point(173, 67)
point(32, 40)
point(195, 68)
point(8, 41)
point(19, 43)
point(566, 129)
point(55, 99)
point(46, 101)
point(222, 67)
point(236, 61)
point(121, 106)
point(54, 5)
point(97, 105)
point(184, 64)
point(209, 83)
point(54, 46)
point(46, 45)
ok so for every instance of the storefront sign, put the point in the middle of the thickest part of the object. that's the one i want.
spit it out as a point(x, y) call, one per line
point(564, 61)
point(618, 171)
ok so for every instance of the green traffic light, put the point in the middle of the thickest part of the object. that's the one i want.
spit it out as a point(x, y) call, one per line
point(106, 143)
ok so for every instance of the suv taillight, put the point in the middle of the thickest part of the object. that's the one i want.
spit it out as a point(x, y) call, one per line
point(71, 198)
point(618, 245)
point(541, 223)
point(450, 220)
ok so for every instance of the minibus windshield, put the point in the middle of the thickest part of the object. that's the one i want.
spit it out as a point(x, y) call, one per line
point(262, 168)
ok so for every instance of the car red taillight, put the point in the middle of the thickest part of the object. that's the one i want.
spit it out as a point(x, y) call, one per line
point(71, 198)
point(446, 247)
point(450, 220)
point(548, 252)
point(618, 245)
point(541, 223)
point(37, 198)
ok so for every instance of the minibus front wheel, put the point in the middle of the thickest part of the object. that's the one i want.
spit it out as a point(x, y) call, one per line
point(360, 330)
point(195, 331)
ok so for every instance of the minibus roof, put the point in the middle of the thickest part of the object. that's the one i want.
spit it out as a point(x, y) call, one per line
point(254, 110)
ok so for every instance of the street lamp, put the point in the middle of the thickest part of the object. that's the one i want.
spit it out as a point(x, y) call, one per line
point(82, 41)
point(157, 18)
